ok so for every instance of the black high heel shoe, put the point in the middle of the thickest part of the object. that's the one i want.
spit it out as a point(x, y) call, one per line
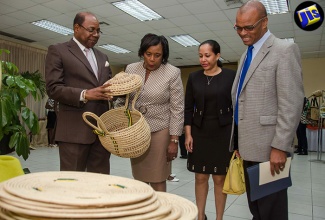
point(206, 218)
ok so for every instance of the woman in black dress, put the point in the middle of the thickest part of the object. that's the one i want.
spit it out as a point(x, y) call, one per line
point(208, 122)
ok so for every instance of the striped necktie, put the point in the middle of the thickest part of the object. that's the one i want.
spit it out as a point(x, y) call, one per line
point(91, 61)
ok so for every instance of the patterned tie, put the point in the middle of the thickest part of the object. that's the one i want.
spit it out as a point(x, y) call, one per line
point(91, 61)
point(242, 78)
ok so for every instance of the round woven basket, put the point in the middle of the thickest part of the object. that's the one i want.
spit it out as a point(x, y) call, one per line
point(123, 132)
point(123, 83)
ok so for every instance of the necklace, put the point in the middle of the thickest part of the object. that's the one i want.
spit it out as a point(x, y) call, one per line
point(209, 81)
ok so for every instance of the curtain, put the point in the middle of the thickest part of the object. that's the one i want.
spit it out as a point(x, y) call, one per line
point(27, 58)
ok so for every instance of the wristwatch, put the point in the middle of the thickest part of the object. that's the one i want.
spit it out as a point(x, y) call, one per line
point(174, 140)
point(84, 96)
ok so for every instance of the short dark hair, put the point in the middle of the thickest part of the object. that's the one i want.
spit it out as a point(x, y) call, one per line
point(80, 17)
point(152, 40)
point(215, 49)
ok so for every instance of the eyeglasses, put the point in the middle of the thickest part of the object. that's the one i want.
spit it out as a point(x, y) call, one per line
point(92, 30)
point(249, 27)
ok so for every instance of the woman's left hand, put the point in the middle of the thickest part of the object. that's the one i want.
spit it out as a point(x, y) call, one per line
point(172, 151)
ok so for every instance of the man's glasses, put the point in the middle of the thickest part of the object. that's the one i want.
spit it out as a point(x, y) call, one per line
point(249, 27)
point(92, 30)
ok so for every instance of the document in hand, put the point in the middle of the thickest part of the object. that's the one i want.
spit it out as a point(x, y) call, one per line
point(262, 183)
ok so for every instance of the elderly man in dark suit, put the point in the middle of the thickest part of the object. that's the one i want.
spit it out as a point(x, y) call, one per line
point(75, 74)
point(267, 101)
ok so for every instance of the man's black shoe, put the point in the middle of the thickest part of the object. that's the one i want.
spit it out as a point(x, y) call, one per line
point(303, 153)
point(183, 157)
point(297, 151)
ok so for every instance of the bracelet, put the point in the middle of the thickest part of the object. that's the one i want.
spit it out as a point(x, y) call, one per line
point(174, 140)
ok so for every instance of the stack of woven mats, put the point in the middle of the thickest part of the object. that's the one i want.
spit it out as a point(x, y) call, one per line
point(82, 195)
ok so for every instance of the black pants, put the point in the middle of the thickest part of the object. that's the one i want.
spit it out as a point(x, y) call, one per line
point(302, 138)
point(182, 145)
point(271, 207)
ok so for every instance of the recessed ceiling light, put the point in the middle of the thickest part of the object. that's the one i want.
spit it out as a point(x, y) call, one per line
point(276, 6)
point(114, 48)
point(53, 27)
point(137, 10)
point(185, 40)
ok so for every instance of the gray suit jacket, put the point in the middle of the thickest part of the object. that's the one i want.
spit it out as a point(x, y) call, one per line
point(67, 73)
point(270, 103)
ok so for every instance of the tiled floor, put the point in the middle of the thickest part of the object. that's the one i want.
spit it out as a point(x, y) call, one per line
point(306, 196)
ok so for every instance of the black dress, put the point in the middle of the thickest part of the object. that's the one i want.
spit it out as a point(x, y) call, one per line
point(211, 140)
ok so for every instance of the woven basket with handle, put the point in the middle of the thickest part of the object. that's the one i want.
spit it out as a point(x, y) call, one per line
point(123, 132)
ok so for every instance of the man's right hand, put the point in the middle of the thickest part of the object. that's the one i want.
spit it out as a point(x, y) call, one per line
point(99, 93)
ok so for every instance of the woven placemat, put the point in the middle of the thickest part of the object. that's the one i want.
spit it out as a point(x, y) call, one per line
point(123, 83)
point(7, 198)
point(78, 189)
point(159, 213)
point(35, 210)
point(77, 214)
point(179, 204)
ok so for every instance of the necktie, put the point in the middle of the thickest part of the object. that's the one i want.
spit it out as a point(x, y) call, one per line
point(91, 61)
point(242, 78)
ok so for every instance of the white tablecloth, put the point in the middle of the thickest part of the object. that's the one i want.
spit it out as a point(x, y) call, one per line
point(312, 139)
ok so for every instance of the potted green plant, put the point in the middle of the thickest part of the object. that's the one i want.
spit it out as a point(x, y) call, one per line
point(15, 115)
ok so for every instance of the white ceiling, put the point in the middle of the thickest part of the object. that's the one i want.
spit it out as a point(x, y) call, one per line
point(202, 19)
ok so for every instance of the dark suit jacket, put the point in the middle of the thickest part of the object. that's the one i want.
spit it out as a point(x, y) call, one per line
point(194, 97)
point(67, 73)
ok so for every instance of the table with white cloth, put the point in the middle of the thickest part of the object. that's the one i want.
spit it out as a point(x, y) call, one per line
point(312, 139)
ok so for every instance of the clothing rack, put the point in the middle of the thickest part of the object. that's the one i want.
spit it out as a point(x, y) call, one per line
point(321, 101)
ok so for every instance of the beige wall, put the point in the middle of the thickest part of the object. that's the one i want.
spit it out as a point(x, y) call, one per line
point(314, 75)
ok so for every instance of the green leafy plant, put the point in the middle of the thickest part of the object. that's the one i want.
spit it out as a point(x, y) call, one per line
point(15, 115)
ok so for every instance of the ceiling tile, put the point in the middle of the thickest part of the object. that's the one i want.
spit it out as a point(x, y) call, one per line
point(10, 21)
point(62, 6)
point(220, 25)
point(309, 38)
point(185, 20)
point(87, 3)
point(212, 17)
point(42, 11)
point(199, 7)
point(280, 18)
point(5, 9)
point(197, 28)
point(18, 4)
point(158, 4)
point(160, 24)
point(139, 27)
point(24, 16)
point(123, 19)
point(172, 11)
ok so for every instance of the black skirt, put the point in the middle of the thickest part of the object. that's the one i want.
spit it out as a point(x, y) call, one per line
point(210, 148)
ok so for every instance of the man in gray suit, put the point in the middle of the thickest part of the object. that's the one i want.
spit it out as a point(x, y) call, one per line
point(268, 103)
point(75, 73)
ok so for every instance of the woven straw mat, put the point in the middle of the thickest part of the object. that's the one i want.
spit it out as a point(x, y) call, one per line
point(78, 189)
